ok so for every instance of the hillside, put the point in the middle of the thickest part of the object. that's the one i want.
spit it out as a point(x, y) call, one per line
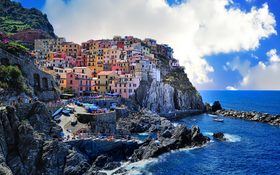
point(23, 24)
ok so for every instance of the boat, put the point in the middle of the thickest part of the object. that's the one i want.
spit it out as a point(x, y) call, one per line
point(57, 117)
point(65, 112)
point(218, 120)
point(57, 112)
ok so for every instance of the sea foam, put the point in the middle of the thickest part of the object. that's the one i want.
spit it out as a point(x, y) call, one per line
point(232, 137)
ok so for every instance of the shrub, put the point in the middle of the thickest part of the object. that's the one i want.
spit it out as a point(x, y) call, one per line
point(12, 79)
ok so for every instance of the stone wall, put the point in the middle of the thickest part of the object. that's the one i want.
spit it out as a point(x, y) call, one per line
point(43, 84)
point(104, 123)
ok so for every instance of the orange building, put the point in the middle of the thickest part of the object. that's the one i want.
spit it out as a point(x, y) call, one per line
point(71, 49)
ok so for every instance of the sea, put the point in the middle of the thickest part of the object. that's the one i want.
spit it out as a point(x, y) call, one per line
point(251, 147)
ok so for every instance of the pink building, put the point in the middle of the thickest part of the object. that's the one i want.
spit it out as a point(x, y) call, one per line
point(81, 84)
point(81, 61)
point(125, 85)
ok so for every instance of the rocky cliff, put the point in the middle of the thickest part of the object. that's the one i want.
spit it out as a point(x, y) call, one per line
point(30, 145)
point(174, 92)
point(41, 84)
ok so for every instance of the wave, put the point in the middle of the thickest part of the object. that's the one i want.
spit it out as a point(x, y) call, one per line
point(232, 137)
point(140, 167)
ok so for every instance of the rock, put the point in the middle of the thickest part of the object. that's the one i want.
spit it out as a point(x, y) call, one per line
point(219, 136)
point(5, 170)
point(76, 163)
point(254, 116)
point(101, 161)
point(120, 171)
point(112, 165)
point(166, 134)
point(53, 157)
point(182, 137)
point(207, 107)
point(216, 106)
point(165, 97)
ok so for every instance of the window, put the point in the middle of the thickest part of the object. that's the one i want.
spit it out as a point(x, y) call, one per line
point(124, 90)
point(130, 90)
point(71, 82)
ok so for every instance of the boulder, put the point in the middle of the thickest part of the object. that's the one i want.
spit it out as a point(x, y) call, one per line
point(219, 136)
point(216, 106)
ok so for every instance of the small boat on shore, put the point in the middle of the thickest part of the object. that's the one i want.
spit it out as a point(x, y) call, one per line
point(66, 112)
point(218, 120)
point(57, 112)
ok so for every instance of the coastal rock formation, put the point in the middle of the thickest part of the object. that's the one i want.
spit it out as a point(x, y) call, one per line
point(175, 92)
point(219, 136)
point(31, 143)
point(253, 116)
point(169, 136)
point(216, 106)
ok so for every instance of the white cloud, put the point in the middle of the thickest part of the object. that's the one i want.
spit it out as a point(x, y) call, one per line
point(264, 75)
point(231, 88)
point(195, 29)
point(273, 57)
point(238, 65)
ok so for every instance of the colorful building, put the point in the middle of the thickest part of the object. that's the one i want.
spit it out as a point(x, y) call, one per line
point(79, 84)
point(125, 85)
point(104, 80)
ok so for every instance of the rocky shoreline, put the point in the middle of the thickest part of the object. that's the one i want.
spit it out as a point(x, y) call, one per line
point(252, 116)
point(31, 143)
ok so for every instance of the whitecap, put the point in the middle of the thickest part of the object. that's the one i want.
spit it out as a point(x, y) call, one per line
point(143, 134)
point(232, 137)
point(208, 133)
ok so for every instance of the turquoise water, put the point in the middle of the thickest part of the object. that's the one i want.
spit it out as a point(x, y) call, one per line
point(252, 147)
point(261, 101)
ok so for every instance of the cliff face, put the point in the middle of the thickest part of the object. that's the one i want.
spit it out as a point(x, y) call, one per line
point(29, 145)
point(174, 92)
point(42, 84)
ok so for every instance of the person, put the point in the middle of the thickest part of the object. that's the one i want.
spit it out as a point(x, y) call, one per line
point(26, 100)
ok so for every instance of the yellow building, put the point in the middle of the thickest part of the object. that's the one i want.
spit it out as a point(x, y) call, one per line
point(104, 79)
point(71, 49)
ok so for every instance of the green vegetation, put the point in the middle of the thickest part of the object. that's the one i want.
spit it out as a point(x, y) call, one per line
point(179, 80)
point(12, 79)
point(15, 48)
point(14, 18)
point(10, 26)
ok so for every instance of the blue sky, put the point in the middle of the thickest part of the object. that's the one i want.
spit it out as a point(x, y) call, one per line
point(231, 70)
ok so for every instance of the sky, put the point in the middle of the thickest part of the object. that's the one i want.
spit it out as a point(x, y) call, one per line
point(223, 44)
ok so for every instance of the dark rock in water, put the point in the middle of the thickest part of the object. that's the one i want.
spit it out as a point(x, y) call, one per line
point(219, 136)
point(101, 161)
point(216, 106)
point(120, 171)
point(166, 134)
point(112, 165)
point(182, 137)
